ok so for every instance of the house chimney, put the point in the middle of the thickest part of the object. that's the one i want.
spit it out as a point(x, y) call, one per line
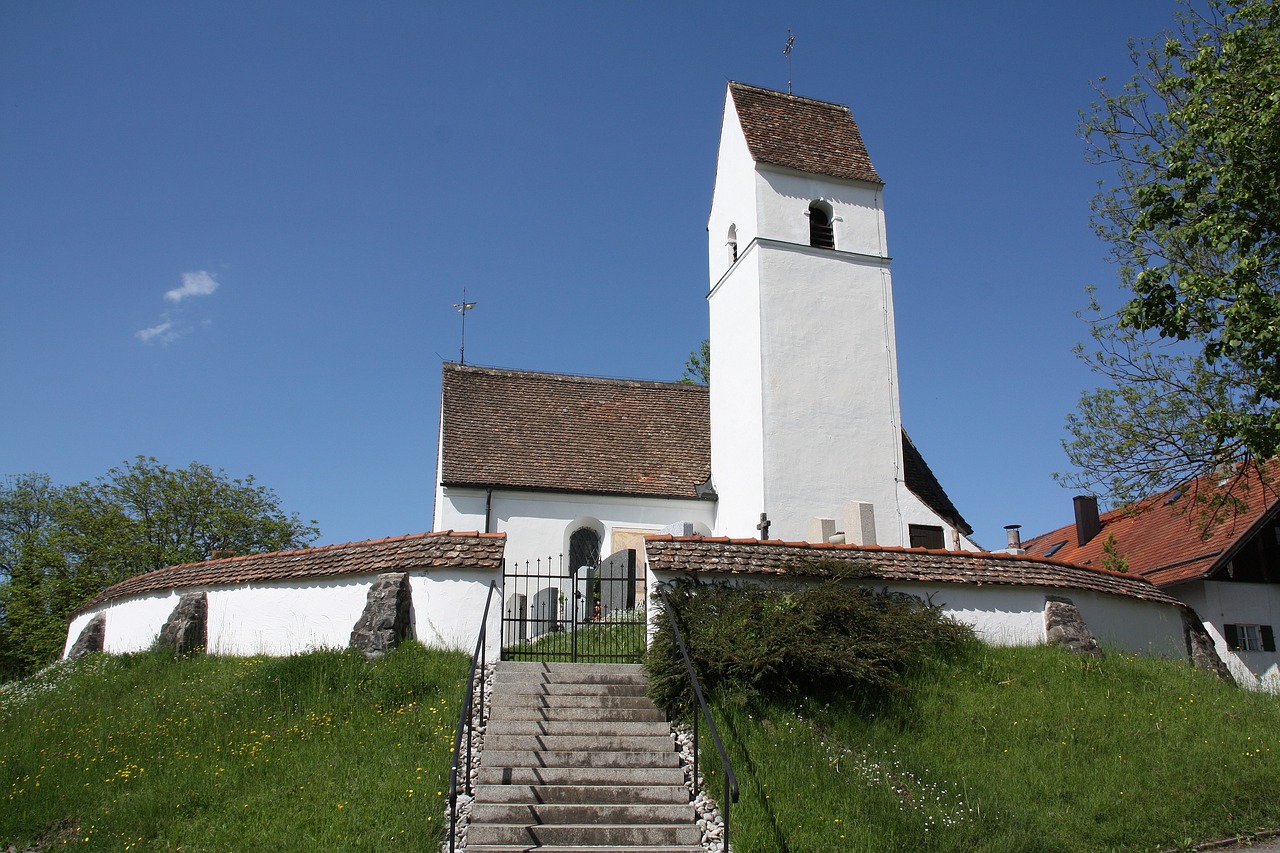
point(1015, 539)
point(1088, 524)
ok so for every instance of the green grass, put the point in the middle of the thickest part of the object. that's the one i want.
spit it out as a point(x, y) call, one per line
point(322, 751)
point(1009, 750)
point(619, 639)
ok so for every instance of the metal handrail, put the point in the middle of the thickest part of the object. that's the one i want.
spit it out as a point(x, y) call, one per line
point(730, 780)
point(464, 721)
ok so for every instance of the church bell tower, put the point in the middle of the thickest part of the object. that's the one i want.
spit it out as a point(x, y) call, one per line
point(804, 380)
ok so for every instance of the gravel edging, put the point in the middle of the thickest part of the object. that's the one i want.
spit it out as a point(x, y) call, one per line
point(483, 688)
point(706, 810)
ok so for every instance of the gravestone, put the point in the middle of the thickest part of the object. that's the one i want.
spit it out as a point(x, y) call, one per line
point(515, 620)
point(186, 630)
point(91, 638)
point(1064, 626)
point(386, 620)
point(544, 613)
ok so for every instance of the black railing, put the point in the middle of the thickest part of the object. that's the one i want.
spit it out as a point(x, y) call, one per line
point(730, 780)
point(464, 721)
point(554, 612)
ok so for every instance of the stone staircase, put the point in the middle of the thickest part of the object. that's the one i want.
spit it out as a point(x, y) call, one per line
point(577, 759)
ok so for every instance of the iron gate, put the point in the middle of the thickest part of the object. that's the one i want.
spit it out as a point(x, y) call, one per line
point(557, 612)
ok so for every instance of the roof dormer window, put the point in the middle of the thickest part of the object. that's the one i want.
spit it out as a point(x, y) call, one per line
point(822, 233)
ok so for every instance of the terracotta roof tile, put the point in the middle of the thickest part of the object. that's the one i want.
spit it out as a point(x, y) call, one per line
point(400, 553)
point(1164, 538)
point(519, 429)
point(799, 133)
point(751, 556)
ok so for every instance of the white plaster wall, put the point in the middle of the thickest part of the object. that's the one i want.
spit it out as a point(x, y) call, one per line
point(831, 414)
point(733, 199)
point(289, 617)
point(737, 426)
point(1014, 615)
point(912, 510)
point(783, 197)
point(1222, 602)
point(285, 618)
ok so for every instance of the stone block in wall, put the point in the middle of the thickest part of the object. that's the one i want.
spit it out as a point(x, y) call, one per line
point(385, 622)
point(186, 631)
point(91, 639)
point(1064, 626)
point(1200, 648)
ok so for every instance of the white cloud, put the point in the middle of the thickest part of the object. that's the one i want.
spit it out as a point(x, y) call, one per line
point(198, 283)
point(162, 334)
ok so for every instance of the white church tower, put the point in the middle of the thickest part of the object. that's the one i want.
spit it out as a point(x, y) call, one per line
point(805, 419)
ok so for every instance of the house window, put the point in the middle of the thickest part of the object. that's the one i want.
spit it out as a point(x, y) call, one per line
point(822, 233)
point(1055, 548)
point(1250, 638)
point(925, 536)
point(733, 243)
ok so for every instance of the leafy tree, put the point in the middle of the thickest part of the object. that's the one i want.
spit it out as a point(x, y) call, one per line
point(60, 546)
point(1192, 358)
point(697, 369)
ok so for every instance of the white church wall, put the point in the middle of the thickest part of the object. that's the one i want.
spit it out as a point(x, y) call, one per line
point(782, 203)
point(737, 427)
point(832, 425)
point(733, 199)
point(915, 511)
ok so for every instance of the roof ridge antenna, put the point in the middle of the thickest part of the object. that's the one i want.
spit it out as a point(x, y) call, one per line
point(786, 51)
point(463, 307)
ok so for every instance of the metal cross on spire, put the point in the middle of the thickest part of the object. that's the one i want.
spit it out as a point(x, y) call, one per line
point(786, 51)
point(463, 307)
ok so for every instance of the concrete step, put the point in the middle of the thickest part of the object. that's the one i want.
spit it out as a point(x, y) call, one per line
point(592, 715)
point(498, 775)
point(561, 848)
point(653, 728)
point(600, 673)
point(534, 758)
point(501, 701)
point(676, 794)
point(561, 688)
point(549, 814)
point(590, 834)
point(605, 741)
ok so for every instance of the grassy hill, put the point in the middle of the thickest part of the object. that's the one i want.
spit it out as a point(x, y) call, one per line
point(1021, 750)
point(998, 750)
point(322, 751)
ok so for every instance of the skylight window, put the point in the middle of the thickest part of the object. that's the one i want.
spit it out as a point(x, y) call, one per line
point(1055, 548)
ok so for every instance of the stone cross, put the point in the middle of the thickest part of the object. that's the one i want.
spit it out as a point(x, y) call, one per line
point(763, 526)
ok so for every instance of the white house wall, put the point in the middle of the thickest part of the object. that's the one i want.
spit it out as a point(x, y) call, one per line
point(538, 524)
point(1237, 603)
point(912, 510)
point(288, 617)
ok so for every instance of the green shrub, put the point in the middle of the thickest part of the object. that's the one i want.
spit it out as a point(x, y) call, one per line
point(829, 637)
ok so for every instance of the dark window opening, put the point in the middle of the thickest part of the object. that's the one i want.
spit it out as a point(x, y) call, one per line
point(1055, 548)
point(822, 233)
point(925, 536)
point(1250, 638)
point(584, 548)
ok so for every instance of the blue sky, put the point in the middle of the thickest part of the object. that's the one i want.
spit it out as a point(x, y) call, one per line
point(232, 232)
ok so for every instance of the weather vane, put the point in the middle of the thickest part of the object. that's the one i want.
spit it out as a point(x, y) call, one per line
point(463, 307)
point(786, 51)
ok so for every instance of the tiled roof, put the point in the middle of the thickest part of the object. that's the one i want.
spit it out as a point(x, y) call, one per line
point(802, 134)
point(418, 551)
point(518, 429)
point(751, 556)
point(1165, 538)
point(920, 479)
